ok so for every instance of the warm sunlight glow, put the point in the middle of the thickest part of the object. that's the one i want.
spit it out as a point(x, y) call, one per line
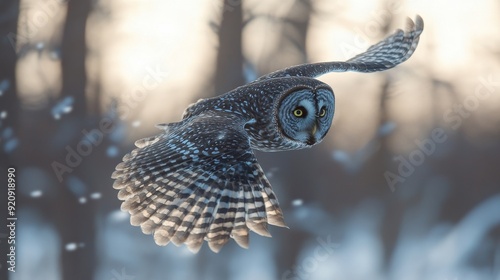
point(38, 66)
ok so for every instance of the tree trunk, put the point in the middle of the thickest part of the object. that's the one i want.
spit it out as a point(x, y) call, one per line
point(76, 223)
point(229, 65)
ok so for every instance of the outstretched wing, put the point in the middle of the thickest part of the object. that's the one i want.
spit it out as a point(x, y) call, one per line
point(197, 181)
point(384, 55)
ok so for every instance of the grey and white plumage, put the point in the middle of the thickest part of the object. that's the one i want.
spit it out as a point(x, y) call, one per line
point(199, 179)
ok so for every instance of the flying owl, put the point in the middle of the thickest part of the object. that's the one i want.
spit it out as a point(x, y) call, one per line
point(199, 178)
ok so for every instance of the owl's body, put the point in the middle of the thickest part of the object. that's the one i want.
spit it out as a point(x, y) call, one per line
point(251, 105)
point(199, 179)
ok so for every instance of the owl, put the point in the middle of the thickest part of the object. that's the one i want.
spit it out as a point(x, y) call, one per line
point(199, 180)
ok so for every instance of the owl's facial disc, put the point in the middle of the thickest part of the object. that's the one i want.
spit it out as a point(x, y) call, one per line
point(306, 115)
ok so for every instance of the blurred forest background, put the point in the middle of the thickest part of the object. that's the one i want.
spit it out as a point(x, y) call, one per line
point(405, 186)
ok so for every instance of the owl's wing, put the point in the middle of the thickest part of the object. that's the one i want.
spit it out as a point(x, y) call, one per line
point(384, 55)
point(197, 181)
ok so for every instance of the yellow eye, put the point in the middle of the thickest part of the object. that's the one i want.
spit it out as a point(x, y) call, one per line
point(322, 113)
point(299, 112)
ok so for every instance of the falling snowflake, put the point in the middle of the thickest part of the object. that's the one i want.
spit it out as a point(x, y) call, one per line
point(136, 123)
point(40, 46)
point(297, 202)
point(71, 246)
point(10, 142)
point(95, 195)
point(63, 107)
point(112, 151)
point(35, 194)
point(386, 128)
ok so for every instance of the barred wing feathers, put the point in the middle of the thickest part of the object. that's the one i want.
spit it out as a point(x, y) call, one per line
point(384, 55)
point(197, 181)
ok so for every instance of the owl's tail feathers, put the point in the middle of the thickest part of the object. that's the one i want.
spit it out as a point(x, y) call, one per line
point(251, 207)
point(236, 212)
point(190, 211)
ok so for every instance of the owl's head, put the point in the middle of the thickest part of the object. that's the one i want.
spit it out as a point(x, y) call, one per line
point(305, 113)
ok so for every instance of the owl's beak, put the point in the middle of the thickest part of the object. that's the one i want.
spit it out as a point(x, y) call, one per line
point(312, 137)
point(314, 129)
